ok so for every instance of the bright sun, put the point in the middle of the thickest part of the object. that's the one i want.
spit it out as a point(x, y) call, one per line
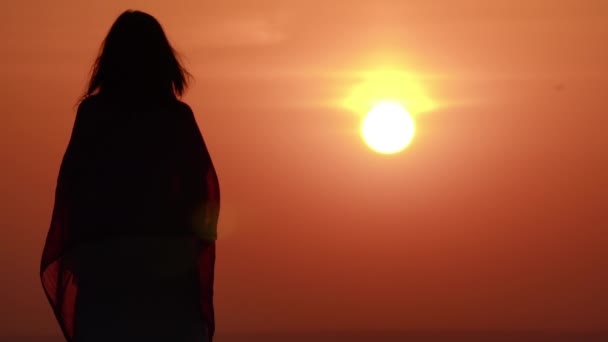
point(388, 127)
point(381, 97)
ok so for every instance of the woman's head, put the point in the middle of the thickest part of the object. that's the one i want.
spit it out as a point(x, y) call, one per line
point(137, 59)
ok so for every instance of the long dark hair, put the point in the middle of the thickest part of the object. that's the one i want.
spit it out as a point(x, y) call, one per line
point(136, 59)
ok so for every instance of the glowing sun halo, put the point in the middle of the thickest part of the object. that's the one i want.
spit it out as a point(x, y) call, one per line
point(388, 127)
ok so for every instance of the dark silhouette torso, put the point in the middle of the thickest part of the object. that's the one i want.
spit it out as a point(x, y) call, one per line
point(135, 174)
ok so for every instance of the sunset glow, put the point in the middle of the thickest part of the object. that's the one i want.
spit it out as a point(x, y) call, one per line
point(388, 85)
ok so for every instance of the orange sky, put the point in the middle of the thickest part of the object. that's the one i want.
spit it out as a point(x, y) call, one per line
point(494, 218)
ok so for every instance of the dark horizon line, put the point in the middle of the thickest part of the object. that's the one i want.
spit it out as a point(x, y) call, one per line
point(386, 331)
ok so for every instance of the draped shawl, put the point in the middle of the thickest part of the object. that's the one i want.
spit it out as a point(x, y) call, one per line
point(136, 209)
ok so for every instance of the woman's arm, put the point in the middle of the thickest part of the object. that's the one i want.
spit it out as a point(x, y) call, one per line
point(199, 183)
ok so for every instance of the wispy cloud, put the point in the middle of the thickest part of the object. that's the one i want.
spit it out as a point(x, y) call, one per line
point(236, 31)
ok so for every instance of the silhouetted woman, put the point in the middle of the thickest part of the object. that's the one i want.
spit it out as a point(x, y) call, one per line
point(131, 248)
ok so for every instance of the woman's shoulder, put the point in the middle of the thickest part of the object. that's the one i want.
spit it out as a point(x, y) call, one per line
point(174, 107)
point(184, 107)
point(100, 100)
point(84, 113)
point(184, 113)
point(89, 103)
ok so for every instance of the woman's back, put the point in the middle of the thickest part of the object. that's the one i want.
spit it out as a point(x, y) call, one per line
point(134, 178)
point(124, 161)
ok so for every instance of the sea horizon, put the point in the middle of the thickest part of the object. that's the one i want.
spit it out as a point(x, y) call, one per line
point(383, 336)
